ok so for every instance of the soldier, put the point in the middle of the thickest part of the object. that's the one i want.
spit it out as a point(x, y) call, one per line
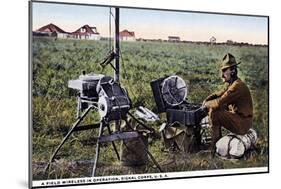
point(232, 107)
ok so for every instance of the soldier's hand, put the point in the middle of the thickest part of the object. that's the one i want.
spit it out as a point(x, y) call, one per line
point(204, 103)
point(204, 108)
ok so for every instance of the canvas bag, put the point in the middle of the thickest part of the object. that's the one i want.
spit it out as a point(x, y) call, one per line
point(133, 152)
point(234, 146)
point(178, 137)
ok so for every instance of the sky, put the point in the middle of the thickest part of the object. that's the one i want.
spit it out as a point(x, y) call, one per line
point(154, 24)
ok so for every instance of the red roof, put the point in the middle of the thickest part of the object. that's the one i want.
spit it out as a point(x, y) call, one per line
point(50, 28)
point(87, 30)
point(126, 33)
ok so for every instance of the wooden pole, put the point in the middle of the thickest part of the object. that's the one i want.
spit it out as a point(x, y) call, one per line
point(116, 46)
point(116, 51)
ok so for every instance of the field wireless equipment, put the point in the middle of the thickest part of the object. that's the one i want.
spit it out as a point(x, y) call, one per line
point(174, 90)
point(105, 95)
point(170, 97)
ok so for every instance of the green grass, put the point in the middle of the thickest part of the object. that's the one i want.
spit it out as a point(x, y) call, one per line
point(57, 61)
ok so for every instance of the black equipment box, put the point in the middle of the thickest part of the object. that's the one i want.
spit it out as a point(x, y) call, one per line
point(186, 117)
point(114, 103)
point(156, 86)
point(185, 113)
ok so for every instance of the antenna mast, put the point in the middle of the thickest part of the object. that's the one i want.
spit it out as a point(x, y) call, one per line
point(116, 46)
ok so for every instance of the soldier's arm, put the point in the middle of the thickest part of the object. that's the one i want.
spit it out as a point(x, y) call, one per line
point(215, 95)
point(227, 97)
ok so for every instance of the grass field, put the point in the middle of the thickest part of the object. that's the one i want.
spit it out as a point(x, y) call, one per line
point(55, 62)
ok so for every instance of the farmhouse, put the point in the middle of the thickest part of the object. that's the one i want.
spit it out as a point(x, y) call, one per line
point(213, 40)
point(126, 35)
point(173, 38)
point(86, 32)
point(51, 30)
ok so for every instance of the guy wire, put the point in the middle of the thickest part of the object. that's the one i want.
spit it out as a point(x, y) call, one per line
point(110, 49)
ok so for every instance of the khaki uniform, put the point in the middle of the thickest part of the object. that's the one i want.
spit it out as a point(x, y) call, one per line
point(231, 108)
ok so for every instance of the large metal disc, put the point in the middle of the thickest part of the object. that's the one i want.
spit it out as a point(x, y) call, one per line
point(103, 106)
point(174, 90)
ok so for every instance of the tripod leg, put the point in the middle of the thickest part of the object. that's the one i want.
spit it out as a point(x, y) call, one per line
point(67, 136)
point(78, 109)
point(139, 122)
point(98, 148)
point(151, 156)
point(113, 144)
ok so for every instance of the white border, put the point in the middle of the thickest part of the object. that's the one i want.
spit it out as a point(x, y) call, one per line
point(14, 86)
point(145, 177)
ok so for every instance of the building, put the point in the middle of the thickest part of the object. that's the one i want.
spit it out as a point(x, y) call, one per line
point(86, 32)
point(51, 30)
point(126, 35)
point(173, 38)
point(213, 40)
point(229, 42)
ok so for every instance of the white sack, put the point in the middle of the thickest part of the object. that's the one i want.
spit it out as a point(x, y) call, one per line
point(235, 146)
